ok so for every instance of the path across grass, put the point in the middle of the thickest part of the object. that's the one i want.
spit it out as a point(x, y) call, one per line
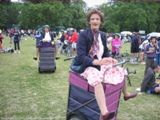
point(27, 95)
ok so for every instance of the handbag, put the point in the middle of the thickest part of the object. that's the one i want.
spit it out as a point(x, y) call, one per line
point(77, 67)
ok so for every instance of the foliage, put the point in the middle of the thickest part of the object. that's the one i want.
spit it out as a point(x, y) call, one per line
point(119, 16)
point(131, 16)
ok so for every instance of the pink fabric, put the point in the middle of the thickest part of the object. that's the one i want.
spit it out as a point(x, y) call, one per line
point(95, 46)
point(114, 43)
point(114, 75)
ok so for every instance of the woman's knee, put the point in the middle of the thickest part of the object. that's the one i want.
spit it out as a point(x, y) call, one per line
point(157, 89)
point(98, 86)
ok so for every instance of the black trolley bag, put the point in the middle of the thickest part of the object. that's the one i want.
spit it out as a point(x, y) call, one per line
point(47, 59)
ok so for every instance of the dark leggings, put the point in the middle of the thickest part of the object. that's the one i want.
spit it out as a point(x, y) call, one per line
point(16, 44)
point(149, 63)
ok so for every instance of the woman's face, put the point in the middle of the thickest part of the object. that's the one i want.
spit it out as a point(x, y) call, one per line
point(116, 37)
point(95, 22)
point(46, 29)
point(153, 40)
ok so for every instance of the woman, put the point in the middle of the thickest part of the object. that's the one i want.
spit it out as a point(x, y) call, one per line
point(93, 52)
point(116, 45)
point(16, 40)
point(48, 40)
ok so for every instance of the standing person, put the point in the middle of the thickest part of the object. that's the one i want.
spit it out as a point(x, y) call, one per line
point(1, 38)
point(158, 54)
point(10, 35)
point(74, 38)
point(134, 46)
point(49, 38)
point(92, 51)
point(16, 40)
point(62, 39)
point(116, 45)
point(38, 36)
point(150, 51)
point(142, 48)
point(148, 84)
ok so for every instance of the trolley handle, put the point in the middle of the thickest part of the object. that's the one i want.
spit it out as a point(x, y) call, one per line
point(114, 65)
point(120, 63)
point(70, 58)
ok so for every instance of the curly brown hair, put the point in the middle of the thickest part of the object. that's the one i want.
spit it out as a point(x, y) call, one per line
point(95, 11)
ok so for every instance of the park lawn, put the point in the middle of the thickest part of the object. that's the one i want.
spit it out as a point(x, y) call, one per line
point(26, 94)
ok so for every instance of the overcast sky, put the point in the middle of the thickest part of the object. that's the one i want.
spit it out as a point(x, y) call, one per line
point(90, 3)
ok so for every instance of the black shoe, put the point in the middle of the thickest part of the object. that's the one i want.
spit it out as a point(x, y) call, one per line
point(35, 58)
point(57, 58)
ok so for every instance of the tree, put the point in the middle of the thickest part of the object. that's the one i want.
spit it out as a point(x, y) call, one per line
point(130, 16)
point(39, 1)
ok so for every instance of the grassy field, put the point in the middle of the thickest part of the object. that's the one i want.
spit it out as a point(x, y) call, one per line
point(26, 94)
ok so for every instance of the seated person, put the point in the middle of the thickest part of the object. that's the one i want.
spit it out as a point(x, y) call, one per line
point(148, 84)
point(95, 55)
point(48, 39)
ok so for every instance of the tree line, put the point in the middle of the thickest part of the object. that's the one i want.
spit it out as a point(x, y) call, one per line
point(119, 16)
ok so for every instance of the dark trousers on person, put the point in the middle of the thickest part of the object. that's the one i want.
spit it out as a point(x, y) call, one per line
point(16, 44)
point(149, 63)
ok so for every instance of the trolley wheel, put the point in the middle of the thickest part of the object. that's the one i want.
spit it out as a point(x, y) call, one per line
point(55, 69)
point(39, 70)
point(76, 117)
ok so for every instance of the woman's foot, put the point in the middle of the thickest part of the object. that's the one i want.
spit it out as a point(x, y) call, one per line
point(35, 58)
point(127, 97)
point(57, 58)
point(108, 116)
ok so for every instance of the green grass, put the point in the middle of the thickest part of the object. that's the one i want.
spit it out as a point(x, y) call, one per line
point(26, 94)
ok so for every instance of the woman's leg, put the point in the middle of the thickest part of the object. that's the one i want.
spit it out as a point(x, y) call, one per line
point(37, 52)
point(15, 48)
point(100, 97)
point(125, 92)
point(18, 45)
point(56, 53)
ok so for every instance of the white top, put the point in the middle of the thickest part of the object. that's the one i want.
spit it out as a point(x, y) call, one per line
point(47, 37)
point(101, 48)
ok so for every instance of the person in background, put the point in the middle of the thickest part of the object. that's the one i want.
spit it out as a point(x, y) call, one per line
point(74, 38)
point(62, 39)
point(66, 35)
point(134, 46)
point(1, 38)
point(93, 52)
point(47, 37)
point(10, 35)
point(148, 84)
point(116, 45)
point(16, 40)
point(150, 51)
point(38, 36)
point(158, 54)
point(142, 48)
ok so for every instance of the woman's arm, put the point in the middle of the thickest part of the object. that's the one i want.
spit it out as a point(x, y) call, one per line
point(82, 52)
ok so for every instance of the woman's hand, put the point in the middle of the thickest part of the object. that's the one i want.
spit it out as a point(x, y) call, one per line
point(104, 61)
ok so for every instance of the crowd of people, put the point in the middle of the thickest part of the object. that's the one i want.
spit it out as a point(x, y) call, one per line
point(90, 47)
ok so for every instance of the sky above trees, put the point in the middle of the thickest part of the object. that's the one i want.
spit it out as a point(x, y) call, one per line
point(90, 3)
